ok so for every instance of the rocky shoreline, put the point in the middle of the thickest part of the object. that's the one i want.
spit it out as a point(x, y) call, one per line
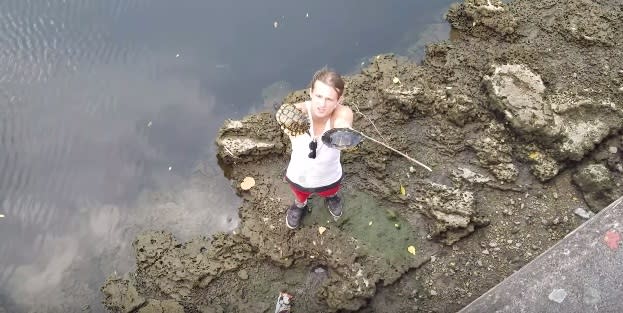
point(520, 116)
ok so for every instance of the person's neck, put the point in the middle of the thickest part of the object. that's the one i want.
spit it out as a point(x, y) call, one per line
point(319, 125)
point(319, 120)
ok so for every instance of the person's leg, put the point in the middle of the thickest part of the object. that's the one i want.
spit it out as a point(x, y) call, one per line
point(332, 200)
point(295, 212)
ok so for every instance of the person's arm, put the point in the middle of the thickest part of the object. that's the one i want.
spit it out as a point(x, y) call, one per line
point(343, 117)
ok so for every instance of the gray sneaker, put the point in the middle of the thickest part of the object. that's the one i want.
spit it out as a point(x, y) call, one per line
point(294, 215)
point(334, 204)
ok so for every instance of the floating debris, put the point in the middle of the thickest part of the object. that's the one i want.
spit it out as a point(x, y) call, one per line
point(396, 80)
point(275, 24)
point(1, 215)
point(170, 168)
point(411, 249)
point(321, 229)
point(247, 183)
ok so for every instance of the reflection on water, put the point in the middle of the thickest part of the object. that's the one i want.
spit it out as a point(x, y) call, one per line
point(108, 112)
point(77, 165)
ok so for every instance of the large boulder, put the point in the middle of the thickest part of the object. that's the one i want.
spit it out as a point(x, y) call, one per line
point(567, 124)
point(250, 139)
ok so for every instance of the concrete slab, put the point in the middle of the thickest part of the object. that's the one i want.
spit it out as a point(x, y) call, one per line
point(581, 273)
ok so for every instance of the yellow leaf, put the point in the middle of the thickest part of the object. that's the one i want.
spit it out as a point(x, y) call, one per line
point(402, 190)
point(411, 249)
point(533, 155)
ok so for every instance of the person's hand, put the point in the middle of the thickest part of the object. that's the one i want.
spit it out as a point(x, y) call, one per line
point(293, 121)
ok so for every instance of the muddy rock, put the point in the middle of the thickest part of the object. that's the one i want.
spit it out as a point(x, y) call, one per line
point(161, 306)
point(572, 125)
point(461, 109)
point(542, 165)
point(251, 138)
point(586, 121)
point(210, 309)
point(121, 295)
point(517, 92)
point(452, 210)
point(592, 27)
point(611, 154)
point(494, 151)
point(597, 185)
point(483, 18)
point(175, 269)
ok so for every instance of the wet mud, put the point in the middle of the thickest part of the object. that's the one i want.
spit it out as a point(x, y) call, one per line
point(520, 117)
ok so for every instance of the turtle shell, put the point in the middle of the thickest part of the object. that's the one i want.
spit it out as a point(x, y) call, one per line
point(292, 120)
point(341, 138)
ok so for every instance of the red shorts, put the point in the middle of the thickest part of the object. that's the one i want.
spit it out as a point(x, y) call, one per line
point(302, 195)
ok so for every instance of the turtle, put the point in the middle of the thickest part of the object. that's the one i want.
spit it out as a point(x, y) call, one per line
point(292, 120)
point(341, 138)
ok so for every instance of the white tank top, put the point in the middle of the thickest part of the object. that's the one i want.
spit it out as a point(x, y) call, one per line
point(306, 172)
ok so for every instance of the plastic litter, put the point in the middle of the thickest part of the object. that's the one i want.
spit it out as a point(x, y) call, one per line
point(283, 303)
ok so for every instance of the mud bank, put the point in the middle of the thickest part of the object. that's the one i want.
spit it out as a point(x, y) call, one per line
point(519, 115)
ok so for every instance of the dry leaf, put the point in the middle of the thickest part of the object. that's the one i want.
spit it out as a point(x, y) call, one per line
point(321, 229)
point(411, 249)
point(533, 155)
point(247, 183)
point(396, 80)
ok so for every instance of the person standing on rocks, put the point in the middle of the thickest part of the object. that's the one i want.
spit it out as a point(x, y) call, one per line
point(315, 168)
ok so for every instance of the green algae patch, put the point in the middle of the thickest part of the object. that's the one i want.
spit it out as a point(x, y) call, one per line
point(379, 231)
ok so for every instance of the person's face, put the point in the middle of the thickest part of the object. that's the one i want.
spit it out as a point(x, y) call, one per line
point(324, 99)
